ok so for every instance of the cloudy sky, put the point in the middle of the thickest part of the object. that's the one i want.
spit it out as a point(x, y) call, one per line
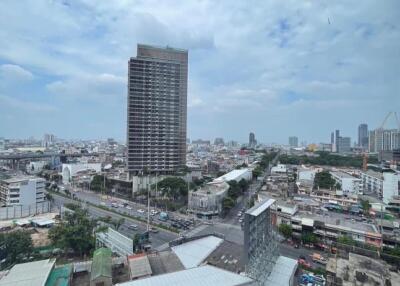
point(276, 68)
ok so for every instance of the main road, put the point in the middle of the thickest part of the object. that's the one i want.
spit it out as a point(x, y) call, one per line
point(159, 239)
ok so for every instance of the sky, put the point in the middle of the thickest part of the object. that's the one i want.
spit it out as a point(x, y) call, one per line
point(275, 68)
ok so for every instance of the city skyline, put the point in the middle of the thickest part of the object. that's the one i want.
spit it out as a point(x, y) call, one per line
point(288, 67)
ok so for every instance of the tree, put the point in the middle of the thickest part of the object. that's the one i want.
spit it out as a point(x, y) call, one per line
point(365, 205)
point(227, 204)
point(97, 183)
point(251, 202)
point(308, 238)
point(324, 180)
point(17, 246)
point(172, 187)
point(75, 232)
point(346, 240)
point(257, 171)
point(286, 230)
point(49, 197)
point(234, 189)
point(244, 185)
point(118, 222)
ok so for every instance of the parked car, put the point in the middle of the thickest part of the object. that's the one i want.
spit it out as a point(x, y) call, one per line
point(140, 211)
point(133, 227)
point(304, 263)
point(128, 207)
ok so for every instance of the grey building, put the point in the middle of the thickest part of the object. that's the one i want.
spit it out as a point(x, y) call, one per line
point(343, 144)
point(293, 141)
point(363, 135)
point(157, 107)
point(384, 140)
point(252, 140)
point(337, 135)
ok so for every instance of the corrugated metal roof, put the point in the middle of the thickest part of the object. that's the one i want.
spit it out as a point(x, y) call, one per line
point(139, 266)
point(199, 276)
point(28, 274)
point(60, 276)
point(193, 253)
point(101, 264)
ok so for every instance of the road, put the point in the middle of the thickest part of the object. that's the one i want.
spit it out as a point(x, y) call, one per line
point(157, 239)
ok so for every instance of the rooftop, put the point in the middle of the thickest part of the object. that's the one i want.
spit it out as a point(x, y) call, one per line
point(28, 274)
point(139, 266)
point(342, 175)
point(199, 276)
point(194, 252)
point(377, 175)
point(101, 264)
point(229, 256)
point(281, 273)
point(233, 175)
point(260, 207)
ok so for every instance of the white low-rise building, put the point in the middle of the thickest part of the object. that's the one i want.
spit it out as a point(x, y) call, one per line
point(70, 170)
point(391, 186)
point(372, 182)
point(237, 175)
point(22, 190)
point(280, 168)
point(207, 201)
point(349, 184)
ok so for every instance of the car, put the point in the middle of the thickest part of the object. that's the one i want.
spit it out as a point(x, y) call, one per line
point(153, 229)
point(103, 203)
point(128, 207)
point(140, 211)
point(304, 263)
point(133, 226)
point(241, 220)
point(114, 205)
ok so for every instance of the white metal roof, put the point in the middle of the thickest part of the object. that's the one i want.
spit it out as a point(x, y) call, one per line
point(139, 266)
point(193, 253)
point(28, 274)
point(234, 174)
point(206, 275)
point(259, 208)
point(283, 270)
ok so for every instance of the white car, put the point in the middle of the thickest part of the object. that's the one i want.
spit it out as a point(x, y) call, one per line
point(140, 211)
point(128, 207)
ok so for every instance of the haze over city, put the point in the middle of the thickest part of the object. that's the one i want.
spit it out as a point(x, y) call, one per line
point(274, 68)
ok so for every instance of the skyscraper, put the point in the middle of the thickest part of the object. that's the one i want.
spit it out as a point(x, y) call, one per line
point(252, 140)
point(363, 135)
point(293, 141)
point(337, 135)
point(157, 107)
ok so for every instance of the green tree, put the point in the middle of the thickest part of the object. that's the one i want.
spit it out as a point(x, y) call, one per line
point(75, 232)
point(308, 238)
point(118, 222)
point(234, 189)
point(286, 230)
point(49, 197)
point(172, 187)
point(346, 240)
point(324, 180)
point(365, 205)
point(243, 185)
point(257, 172)
point(227, 204)
point(17, 246)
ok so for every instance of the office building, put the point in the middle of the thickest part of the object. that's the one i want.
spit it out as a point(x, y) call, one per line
point(293, 141)
point(363, 136)
point(22, 190)
point(157, 107)
point(219, 141)
point(343, 144)
point(337, 135)
point(384, 140)
point(252, 140)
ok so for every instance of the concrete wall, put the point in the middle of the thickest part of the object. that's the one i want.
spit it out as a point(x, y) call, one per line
point(13, 212)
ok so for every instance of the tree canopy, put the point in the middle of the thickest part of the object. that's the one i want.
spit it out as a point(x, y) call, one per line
point(75, 232)
point(15, 246)
point(324, 180)
point(285, 229)
point(172, 187)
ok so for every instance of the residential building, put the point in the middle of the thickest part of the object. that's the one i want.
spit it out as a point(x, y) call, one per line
point(280, 168)
point(343, 144)
point(293, 141)
point(22, 190)
point(252, 140)
point(157, 107)
point(363, 136)
point(391, 186)
point(359, 270)
point(334, 197)
point(372, 182)
point(384, 140)
point(348, 183)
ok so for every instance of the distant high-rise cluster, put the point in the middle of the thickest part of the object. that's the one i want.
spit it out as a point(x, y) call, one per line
point(293, 141)
point(363, 136)
point(252, 140)
point(157, 107)
point(342, 144)
point(48, 139)
point(219, 141)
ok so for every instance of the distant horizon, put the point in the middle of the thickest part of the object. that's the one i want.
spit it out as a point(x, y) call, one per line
point(278, 69)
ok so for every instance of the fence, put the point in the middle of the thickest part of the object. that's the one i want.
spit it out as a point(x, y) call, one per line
point(20, 211)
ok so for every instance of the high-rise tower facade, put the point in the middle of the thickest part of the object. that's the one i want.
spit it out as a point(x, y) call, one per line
point(363, 135)
point(157, 108)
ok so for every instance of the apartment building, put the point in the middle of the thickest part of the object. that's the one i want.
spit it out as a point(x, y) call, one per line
point(372, 182)
point(22, 190)
point(349, 184)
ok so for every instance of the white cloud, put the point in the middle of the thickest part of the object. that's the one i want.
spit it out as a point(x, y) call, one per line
point(10, 72)
point(9, 104)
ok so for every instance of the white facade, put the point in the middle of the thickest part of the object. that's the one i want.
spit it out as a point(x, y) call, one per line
point(349, 184)
point(22, 191)
point(35, 166)
point(117, 242)
point(372, 182)
point(280, 168)
point(69, 170)
point(390, 186)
